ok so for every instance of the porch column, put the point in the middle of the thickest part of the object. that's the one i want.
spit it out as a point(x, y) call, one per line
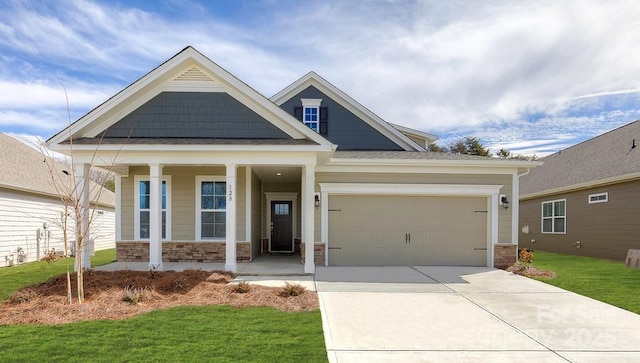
point(308, 210)
point(155, 217)
point(83, 213)
point(230, 262)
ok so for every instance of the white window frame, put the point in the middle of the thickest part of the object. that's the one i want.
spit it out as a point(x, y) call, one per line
point(311, 103)
point(553, 217)
point(598, 200)
point(199, 180)
point(136, 216)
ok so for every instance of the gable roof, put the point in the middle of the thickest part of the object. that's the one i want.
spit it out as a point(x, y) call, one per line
point(28, 170)
point(187, 71)
point(313, 79)
point(608, 158)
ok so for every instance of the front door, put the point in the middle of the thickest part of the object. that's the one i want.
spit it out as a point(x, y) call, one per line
point(281, 224)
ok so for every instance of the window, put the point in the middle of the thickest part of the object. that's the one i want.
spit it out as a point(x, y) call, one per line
point(211, 208)
point(554, 216)
point(599, 198)
point(311, 118)
point(143, 204)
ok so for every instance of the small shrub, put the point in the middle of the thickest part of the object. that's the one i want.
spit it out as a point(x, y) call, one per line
point(241, 287)
point(290, 289)
point(135, 295)
point(526, 257)
point(50, 257)
point(23, 296)
point(180, 285)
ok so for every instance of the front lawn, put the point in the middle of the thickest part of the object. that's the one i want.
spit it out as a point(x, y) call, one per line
point(604, 280)
point(16, 277)
point(182, 334)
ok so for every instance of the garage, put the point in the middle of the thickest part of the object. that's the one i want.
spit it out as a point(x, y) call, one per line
point(388, 230)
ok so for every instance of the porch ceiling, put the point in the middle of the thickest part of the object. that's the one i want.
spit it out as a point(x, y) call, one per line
point(269, 174)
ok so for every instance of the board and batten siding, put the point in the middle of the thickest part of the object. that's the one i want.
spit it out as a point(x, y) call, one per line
point(504, 215)
point(183, 200)
point(22, 216)
point(605, 230)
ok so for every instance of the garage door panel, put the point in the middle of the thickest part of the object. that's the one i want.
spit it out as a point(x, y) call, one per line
point(373, 230)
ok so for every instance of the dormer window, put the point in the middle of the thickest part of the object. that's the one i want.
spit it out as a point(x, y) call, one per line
point(311, 118)
point(311, 113)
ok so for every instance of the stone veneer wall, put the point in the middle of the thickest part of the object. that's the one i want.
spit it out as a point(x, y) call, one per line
point(181, 251)
point(318, 253)
point(504, 255)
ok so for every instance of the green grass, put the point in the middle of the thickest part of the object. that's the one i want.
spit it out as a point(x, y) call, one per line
point(604, 280)
point(181, 334)
point(16, 277)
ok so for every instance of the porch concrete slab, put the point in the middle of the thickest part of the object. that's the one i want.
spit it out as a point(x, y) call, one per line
point(446, 357)
point(278, 281)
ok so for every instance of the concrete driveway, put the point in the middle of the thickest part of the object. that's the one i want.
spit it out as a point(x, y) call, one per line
point(466, 314)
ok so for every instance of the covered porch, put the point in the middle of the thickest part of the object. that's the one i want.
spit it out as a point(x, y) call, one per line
point(229, 216)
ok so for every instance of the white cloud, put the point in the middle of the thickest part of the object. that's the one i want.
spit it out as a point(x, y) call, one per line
point(453, 68)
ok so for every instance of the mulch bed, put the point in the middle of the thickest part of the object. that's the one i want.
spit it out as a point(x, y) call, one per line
point(105, 294)
point(530, 271)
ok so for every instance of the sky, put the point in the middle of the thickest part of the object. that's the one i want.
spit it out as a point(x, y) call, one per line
point(530, 76)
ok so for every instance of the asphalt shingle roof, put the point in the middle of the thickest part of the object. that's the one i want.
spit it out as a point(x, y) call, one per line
point(606, 156)
point(24, 168)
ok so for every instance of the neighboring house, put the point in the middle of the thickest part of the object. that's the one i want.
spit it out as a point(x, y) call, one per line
point(585, 200)
point(210, 170)
point(31, 209)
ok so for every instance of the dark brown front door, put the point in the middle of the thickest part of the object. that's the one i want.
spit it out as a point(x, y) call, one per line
point(281, 222)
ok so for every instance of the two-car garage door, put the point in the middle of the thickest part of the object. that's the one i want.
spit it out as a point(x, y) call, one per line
point(378, 230)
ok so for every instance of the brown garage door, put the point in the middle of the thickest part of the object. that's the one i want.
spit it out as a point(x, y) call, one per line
point(407, 230)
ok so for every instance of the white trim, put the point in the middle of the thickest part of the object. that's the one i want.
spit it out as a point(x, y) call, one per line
point(605, 200)
point(118, 202)
point(415, 189)
point(313, 79)
point(231, 244)
point(286, 197)
point(198, 187)
point(515, 207)
point(490, 192)
point(161, 79)
point(311, 103)
point(553, 217)
point(247, 207)
point(308, 219)
point(136, 206)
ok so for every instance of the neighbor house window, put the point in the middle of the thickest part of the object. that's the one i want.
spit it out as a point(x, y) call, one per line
point(554, 216)
point(142, 217)
point(211, 208)
point(599, 198)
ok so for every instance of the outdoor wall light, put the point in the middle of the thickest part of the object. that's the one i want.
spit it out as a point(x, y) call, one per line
point(505, 202)
point(316, 202)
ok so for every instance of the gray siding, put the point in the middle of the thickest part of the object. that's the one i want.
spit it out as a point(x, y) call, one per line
point(605, 230)
point(344, 129)
point(195, 114)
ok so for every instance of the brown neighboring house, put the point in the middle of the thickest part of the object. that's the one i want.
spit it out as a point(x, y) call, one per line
point(585, 200)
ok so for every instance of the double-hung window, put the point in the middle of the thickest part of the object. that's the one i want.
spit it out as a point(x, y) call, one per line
point(554, 216)
point(142, 216)
point(311, 113)
point(211, 208)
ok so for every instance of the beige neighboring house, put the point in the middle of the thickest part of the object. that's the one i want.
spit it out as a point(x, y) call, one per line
point(585, 199)
point(209, 170)
point(31, 209)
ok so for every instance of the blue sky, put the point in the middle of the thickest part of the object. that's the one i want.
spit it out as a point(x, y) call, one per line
point(530, 76)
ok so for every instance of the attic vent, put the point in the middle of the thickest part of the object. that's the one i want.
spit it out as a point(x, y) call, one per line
point(194, 74)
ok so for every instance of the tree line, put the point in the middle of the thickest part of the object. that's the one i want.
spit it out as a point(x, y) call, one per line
point(472, 146)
